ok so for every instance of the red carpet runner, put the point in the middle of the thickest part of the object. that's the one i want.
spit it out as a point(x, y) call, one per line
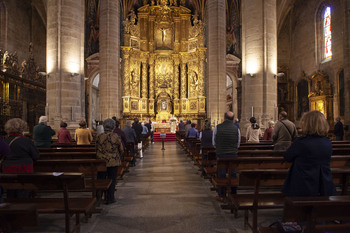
point(169, 137)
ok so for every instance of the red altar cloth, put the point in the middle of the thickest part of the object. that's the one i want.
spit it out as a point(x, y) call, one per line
point(169, 137)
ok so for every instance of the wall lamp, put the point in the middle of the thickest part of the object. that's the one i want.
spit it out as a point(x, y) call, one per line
point(74, 74)
point(44, 74)
point(279, 75)
point(251, 74)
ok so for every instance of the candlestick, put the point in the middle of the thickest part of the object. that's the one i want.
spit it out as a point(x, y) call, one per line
point(252, 111)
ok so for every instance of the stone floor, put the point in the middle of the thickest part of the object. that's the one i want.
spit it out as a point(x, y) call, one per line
point(164, 193)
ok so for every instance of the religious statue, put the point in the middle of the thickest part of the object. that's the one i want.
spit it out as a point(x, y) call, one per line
point(194, 83)
point(173, 123)
point(163, 33)
point(134, 83)
point(164, 105)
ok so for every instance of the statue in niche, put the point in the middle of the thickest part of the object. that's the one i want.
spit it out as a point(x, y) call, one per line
point(163, 30)
point(134, 83)
point(194, 83)
point(164, 105)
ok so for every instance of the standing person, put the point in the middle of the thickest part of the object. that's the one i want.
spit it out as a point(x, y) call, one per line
point(21, 156)
point(187, 126)
point(206, 137)
point(109, 147)
point(83, 135)
point(284, 132)
point(99, 127)
point(253, 131)
point(268, 131)
point(181, 126)
point(120, 132)
point(138, 129)
point(226, 139)
point(310, 173)
point(42, 133)
point(63, 134)
point(338, 130)
point(192, 132)
point(130, 138)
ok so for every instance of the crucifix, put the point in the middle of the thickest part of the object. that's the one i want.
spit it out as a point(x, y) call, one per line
point(163, 33)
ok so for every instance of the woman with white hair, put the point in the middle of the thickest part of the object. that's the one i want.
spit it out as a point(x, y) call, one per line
point(109, 147)
point(42, 133)
point(268, 131)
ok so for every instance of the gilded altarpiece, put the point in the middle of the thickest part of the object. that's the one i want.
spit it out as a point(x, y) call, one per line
point(320, 95)
point(163, 62)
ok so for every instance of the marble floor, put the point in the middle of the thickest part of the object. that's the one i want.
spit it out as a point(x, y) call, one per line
point(163, 193)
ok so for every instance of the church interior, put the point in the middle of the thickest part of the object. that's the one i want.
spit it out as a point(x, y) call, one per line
point(191, 59)
point(169, 60)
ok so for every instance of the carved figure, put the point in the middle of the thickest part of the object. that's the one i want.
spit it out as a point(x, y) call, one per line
point(163, 33)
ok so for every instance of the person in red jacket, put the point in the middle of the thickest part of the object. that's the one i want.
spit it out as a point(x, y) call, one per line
point(64, 134)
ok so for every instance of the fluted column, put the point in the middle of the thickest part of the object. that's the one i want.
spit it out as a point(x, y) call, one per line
point(176, 78)
point(65, 99)
point(126, 71)
point(259, 60)
point(144, 90)
point(151, 77)
point(110, 77)
point(183, 80)
point(216, 84)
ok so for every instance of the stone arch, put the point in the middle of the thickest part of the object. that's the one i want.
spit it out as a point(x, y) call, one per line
point(93, 93)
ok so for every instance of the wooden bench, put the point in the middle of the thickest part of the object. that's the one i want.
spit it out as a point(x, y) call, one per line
point(89, 167)
point(67, 155)
point(333, 212)
point(272, 198)
point(18, 216)
point(67, 149)
point(48, 182)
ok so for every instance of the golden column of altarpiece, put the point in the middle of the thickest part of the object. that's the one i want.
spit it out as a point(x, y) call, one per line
point(163, 63)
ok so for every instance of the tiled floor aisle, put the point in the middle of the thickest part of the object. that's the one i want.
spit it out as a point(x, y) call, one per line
point(164, 193)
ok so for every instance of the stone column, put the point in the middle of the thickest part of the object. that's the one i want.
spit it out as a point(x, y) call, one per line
point(144, 90)
point(65, 97)
point(216, 83)
point(259, 60)
point(110, 77)
point(347, 68)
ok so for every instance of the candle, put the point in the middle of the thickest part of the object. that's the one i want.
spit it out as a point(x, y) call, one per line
point(252, 111)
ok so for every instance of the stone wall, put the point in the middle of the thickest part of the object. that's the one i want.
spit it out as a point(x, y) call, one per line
point(24, 25)
point(302, 46)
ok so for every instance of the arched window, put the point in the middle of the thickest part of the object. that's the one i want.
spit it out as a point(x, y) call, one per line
point(327, 33)
point(324, 32)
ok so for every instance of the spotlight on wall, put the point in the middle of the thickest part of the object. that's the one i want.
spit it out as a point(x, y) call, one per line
point(279, 75)
point(251, 74)
point(86, 78)
point(74, 74)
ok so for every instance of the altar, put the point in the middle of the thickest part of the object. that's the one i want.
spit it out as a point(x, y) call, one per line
point(162, 127)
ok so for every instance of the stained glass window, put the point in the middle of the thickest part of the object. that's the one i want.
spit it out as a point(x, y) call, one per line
point(327, 33)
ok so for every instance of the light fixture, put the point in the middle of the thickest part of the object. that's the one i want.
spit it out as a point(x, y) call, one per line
point(279, 75)
point(42, 73)
point(74, 74)
point(86, 78)
point(251, 74)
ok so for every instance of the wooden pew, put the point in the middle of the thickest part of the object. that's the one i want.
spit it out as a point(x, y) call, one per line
point(89, 167)
point(67, 149)
point(332, 212)
point(271, 199)
point(18, 216)
point(64, 184)
point(67, 155)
